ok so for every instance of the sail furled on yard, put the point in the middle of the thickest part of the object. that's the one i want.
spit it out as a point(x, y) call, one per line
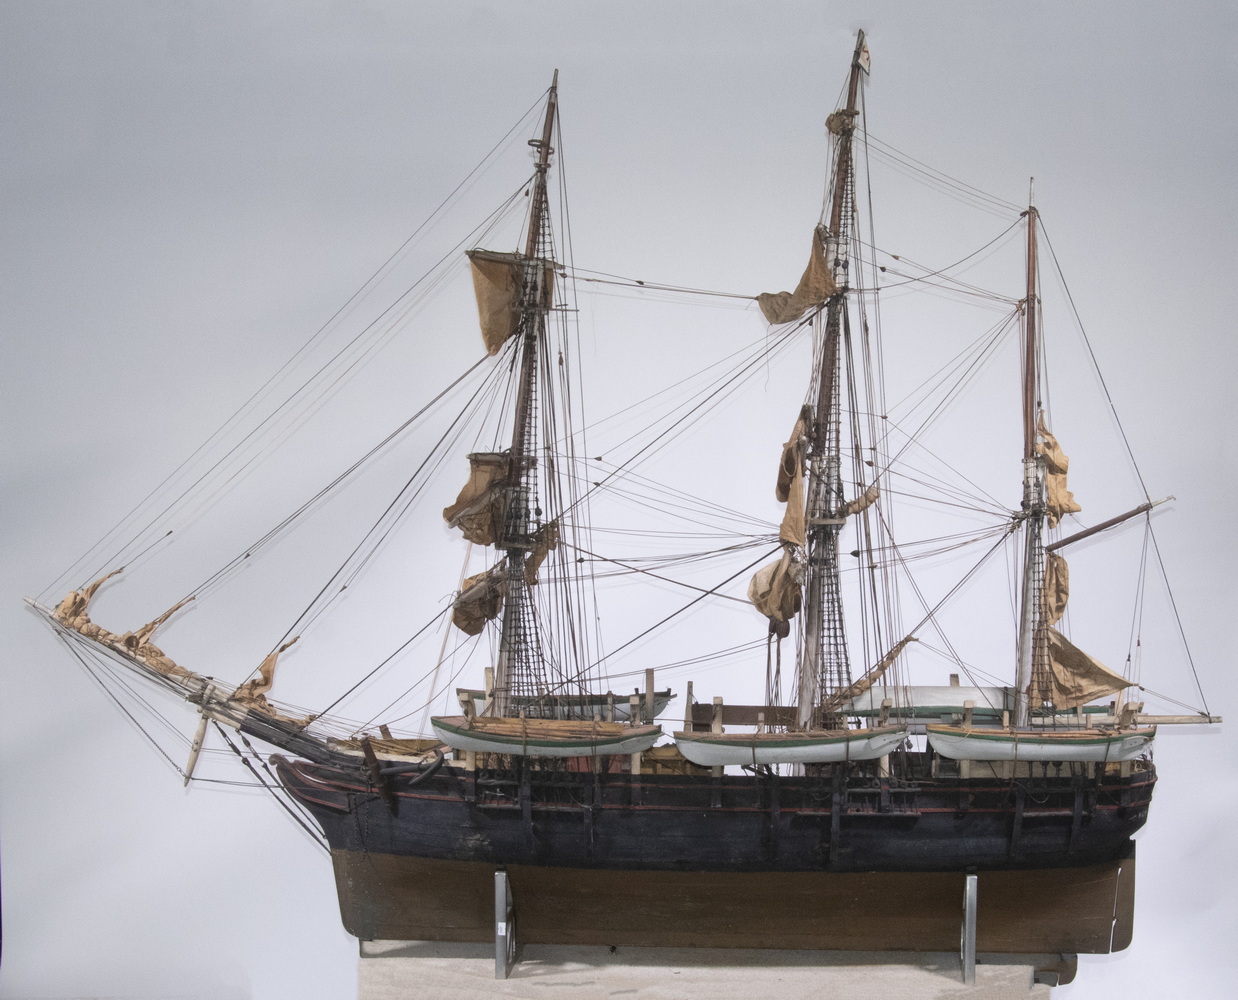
point(545, 541)
point(1059, 501)
point(252, 694)
point(839, 699)
point(1056, 589)
point(498, 282)
point(1073, 677)
point(815, 287)
point(775, 590)
point(863, 501)
point(478, 510)
point(75, 603)
point(1070, 677)
point(789, 488)
point(72, 612)
point(480, 600)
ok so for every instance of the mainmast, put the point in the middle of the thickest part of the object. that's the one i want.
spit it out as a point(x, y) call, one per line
point(519, 664)
point(824, 665)
point(1033, 510)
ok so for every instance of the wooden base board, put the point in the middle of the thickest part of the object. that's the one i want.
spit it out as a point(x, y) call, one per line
point(1080, 910)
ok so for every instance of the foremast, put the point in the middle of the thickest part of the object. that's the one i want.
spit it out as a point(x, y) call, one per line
point(824, 663)
point(1033, 510)
point(519, 668)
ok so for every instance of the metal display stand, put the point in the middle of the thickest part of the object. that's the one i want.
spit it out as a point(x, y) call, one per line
point(967, 939)
point(504, 927)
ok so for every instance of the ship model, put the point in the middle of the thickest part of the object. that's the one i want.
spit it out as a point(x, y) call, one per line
point(586, 797)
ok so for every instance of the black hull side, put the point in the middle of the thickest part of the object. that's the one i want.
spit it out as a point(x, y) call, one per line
point(838, 821)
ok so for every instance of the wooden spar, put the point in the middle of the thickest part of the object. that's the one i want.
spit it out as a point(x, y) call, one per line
point(1078, 536)
point(529, 306)
point(530, 325)
point(823, 470)
point(195, 748)
point(1029, 342)
point(1033, 490)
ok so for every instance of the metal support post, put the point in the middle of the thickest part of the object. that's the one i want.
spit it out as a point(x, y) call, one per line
point(504, 927)
point(967, 938)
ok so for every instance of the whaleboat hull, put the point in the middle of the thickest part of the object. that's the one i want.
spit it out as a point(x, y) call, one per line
point(825, 747)
point(543, 737)
point(1079, 746)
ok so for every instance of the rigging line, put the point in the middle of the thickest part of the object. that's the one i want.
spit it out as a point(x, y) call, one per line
point(77, 653)
point(1135, 636)
point(668, 559)
point(703, 401)
point(1177, 617)
point(388, 524)
point(717, 654)
point(314, 834)
point(301, 808)
point(255, 431)
point(976, 350)
point(273, 378)
point(749, 352)
point(946, 284)
point(972, 671)
point(962, 197)
point(334, 483)
point(682, 512)
point(939, 409)
point(946, 289)
point(123, 681)
point(382, 518)
point(620, 281)
point(1092, 354)
point(931, 612)
point(696, 600)
point(656, 576)
point(586, 590)
point(1174, 701)
point(389, 658)
point(890, 150)
point(941, 271)
point(424, 706)
point(959, 537)
point(933, 483)
point(662, 489)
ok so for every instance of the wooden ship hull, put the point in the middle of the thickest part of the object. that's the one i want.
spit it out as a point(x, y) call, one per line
point(838, 819)
point(1065, 911)
point(411, 853)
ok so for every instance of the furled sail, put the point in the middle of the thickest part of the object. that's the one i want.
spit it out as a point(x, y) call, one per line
point(1059, 501)
point(1056, 589)
point(545, 541)
point(790, 486)
point(871, 677)
point(498, 281)
point(478, 510)
point(480, 600)
point(76, 602)
point(816, 285)
point(1074, 678)
point(72, 613)
point(138, 644)
point(863, 501)
point(775, 590)
point(252, 694)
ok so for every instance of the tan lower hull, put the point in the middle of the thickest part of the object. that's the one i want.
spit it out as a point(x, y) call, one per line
point(1081, 910)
